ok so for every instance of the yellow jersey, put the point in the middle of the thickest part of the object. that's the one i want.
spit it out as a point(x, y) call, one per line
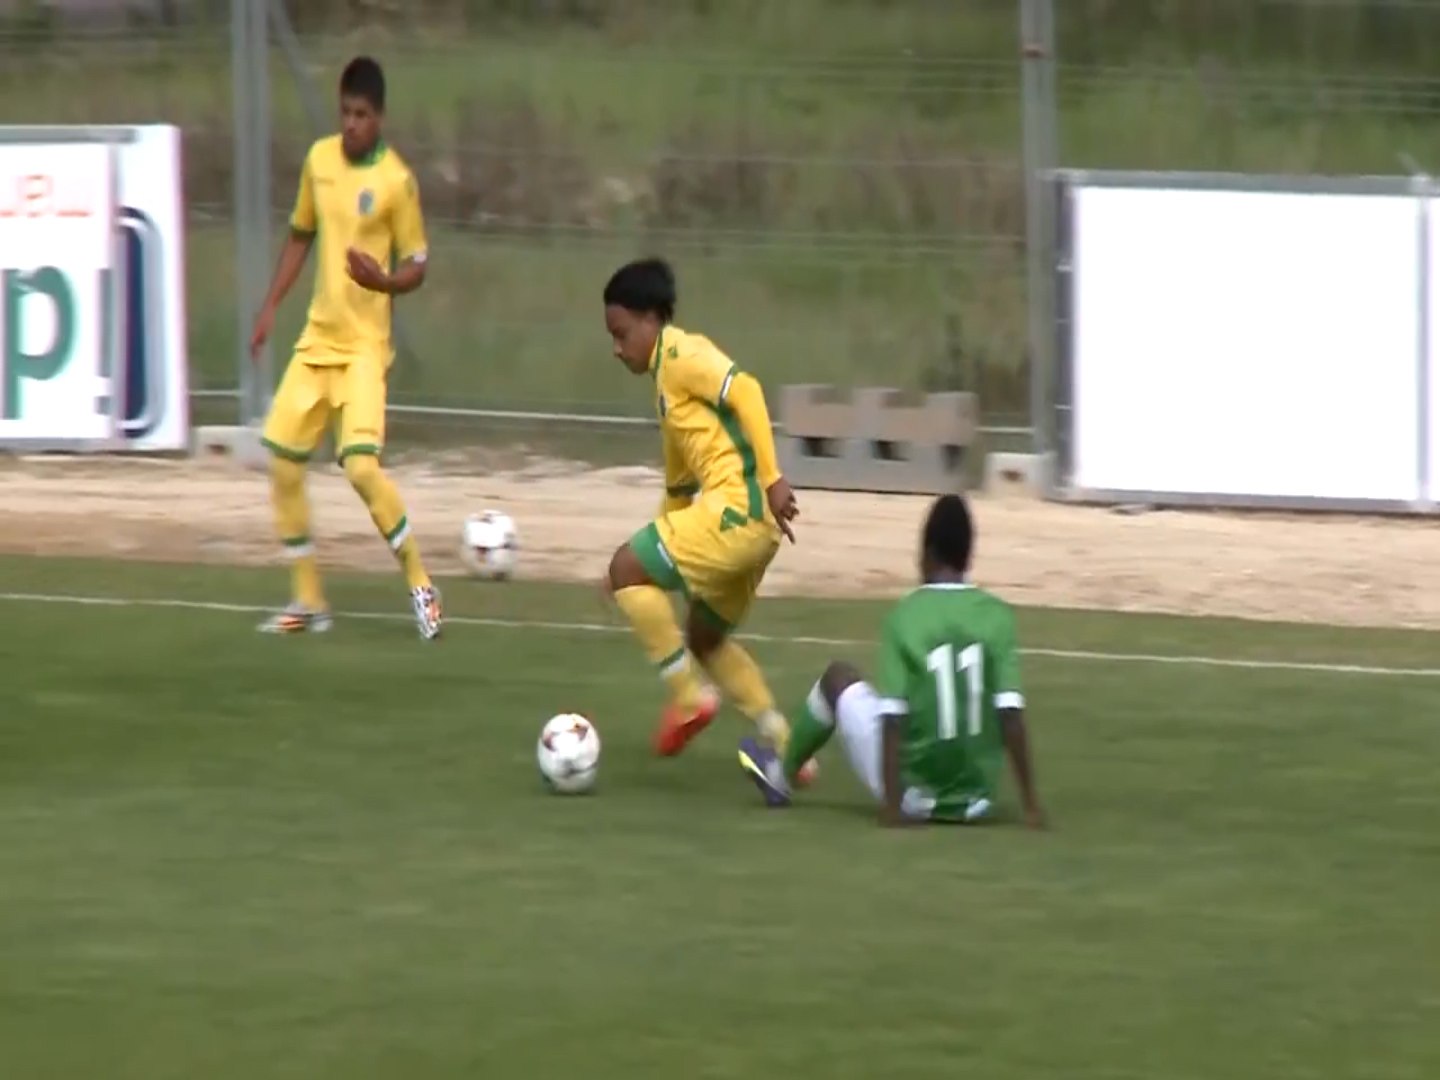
point(372, 205)
point(705, 442)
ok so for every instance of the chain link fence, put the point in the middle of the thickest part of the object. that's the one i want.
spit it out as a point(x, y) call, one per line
point(839, 182)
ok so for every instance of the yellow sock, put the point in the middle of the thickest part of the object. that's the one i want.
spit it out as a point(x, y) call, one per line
point(653, 620)
point(292, 521)
point(737, 674)
point(387, 510)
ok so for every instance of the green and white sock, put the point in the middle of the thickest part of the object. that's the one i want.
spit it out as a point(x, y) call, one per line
point(810, 733)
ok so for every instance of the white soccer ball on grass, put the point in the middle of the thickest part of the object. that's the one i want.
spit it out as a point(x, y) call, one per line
point(489, 545)
point(568, 754)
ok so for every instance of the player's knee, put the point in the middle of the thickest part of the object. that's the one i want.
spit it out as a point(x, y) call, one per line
point(626, 570)
point(838, 678)
point(363, 471)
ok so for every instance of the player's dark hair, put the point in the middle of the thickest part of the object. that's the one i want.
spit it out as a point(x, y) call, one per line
point(949, 533)
point(645, 286)
point(363, 78)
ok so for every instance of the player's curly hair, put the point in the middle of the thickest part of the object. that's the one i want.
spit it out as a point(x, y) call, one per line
point(364, 78)
point(949, 533)
point(645, 286)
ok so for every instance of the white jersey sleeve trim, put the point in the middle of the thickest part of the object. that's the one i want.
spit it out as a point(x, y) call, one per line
point(1010, 699)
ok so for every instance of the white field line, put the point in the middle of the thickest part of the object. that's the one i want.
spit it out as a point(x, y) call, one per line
point(1086, 655)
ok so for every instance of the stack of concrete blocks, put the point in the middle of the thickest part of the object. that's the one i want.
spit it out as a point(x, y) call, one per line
point(875, 439)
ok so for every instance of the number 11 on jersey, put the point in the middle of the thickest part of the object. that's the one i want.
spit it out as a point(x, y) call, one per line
point(944, 663)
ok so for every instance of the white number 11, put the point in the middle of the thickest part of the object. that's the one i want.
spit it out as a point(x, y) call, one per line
point(944, 664)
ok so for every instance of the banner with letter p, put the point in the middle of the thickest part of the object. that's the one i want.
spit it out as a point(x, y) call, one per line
point(57, 304)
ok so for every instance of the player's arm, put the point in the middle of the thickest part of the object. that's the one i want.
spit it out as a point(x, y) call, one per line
point(410, 246)
point(892, 734)
point(741, 391)
point(292, 258)
point(1010, 711)
point(1017, 747)
point(891, 679)
point(725, 386)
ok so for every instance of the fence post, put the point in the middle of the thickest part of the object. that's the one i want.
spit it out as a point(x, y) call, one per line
point(250, 107)
point(1040, 150)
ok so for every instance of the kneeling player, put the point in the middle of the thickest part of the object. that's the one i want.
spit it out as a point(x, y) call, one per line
point(927, 738)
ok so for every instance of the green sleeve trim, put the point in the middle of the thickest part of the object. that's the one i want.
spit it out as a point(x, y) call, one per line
point(754, 497)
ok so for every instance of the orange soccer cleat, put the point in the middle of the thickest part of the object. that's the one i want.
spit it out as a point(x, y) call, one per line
point(680, 723)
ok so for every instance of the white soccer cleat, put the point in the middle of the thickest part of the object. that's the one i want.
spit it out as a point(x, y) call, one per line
point(428, 614)
point(297, 619)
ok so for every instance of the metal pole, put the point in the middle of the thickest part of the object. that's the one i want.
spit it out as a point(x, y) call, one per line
point(1039, 120)
point(240, 133)
point(260, 167)
point(250, 106)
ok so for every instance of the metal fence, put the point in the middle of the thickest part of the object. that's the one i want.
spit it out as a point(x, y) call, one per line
point(846, 186)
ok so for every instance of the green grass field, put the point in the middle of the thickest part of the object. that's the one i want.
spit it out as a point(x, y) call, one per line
point(229, 856)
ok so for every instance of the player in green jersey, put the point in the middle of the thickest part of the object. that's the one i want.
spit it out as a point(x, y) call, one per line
point(929, 736)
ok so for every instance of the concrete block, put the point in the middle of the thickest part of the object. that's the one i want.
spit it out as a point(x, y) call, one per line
point(876, 439)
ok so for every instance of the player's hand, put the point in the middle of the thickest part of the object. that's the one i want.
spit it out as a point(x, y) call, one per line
point(365, 271)
point(264, 324)
point(895, 818)
point(783, 506)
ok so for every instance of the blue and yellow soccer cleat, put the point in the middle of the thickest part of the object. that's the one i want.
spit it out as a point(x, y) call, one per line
point(766, 771)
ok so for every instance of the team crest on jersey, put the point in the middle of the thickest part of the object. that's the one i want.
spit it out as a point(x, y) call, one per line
point(367, 201)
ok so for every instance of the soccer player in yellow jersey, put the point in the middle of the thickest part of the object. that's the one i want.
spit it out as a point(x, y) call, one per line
point(725, 509)
point(359, 206)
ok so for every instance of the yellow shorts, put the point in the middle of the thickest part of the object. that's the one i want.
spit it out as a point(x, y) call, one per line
point(309, 396)
point(711, 552)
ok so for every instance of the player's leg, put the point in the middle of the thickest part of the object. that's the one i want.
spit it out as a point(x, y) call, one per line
point(362, 438)
point(725, 578)
point(776, 773)
point(641, 574)
point(292, 430)
point(708, 635)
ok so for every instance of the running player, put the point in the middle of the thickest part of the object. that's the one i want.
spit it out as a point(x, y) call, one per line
point(927, 738)
point(358, 203)
point(726, 505)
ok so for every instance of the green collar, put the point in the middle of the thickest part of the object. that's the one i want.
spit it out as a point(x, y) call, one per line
point(376, 153)
point(655, 359)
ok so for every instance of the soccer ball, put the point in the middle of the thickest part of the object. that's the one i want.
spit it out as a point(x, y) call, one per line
point(568, 754)
point(488, 544)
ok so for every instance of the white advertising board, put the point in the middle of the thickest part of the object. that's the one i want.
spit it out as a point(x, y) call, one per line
point(155, 359)
point(1245, 345)
point(57, 252)
point(92, 331)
